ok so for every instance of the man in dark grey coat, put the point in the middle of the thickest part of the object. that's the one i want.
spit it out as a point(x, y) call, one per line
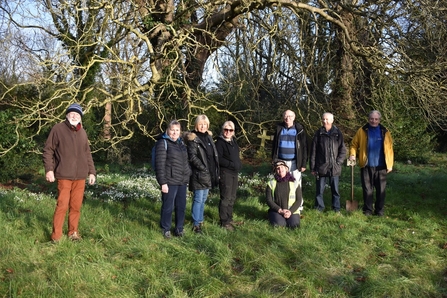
point(328, 152)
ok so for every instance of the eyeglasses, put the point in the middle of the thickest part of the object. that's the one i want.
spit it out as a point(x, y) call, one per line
point(228, 129)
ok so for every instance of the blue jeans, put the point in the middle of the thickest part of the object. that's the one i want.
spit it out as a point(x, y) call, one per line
point(175, 199)
point(198, 205)
point(320, 185)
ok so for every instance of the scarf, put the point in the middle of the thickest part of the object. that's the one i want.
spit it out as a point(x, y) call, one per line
point(288, 177)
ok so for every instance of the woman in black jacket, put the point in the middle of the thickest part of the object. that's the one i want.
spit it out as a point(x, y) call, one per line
point(172, 172)
point(204, 163)
point(229, 165)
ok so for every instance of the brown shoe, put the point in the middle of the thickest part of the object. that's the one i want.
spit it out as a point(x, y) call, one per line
point(197, 230)
point(75, 237)
point(229, 227)
point(236, 223)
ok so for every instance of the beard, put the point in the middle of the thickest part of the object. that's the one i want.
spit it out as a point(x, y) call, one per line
point(73, 122)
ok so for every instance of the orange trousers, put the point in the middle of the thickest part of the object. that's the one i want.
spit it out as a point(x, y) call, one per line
point(70, 196)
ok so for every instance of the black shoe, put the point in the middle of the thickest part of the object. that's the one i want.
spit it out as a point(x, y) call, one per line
point(179, 233)
point(367, 213)
point(197, 230)
point(167, 234)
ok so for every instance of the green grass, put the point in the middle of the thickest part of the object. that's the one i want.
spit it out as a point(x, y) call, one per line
point(123, 253)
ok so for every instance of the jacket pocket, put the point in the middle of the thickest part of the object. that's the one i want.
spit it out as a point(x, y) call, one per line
point(203, 178)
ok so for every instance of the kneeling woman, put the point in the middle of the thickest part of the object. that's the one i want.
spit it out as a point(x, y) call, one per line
point(283, 197)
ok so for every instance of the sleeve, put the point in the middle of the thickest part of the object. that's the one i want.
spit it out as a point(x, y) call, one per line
point(161, 154)
point(237, 163)
point(341, 150)
point(224, 161)
point(313, 152)
point(355, 143)
point(186, 161)
point(90, 163)
point(389, 152)
point(49, 150)
point(275, 145)
point(193, 156)
point(270, 200)
point(299, 199)
point(303, 142)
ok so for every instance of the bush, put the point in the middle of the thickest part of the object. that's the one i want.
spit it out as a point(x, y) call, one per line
point(413, 139)
point(21, 160)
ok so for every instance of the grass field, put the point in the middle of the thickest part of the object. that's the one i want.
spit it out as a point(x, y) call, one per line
point(123, 253)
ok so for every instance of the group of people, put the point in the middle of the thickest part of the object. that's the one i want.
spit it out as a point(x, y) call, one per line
point(200, 164)
point(372, 144)
point(194, 161)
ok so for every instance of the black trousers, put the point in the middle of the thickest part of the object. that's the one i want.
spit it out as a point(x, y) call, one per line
point(373, 178)
point(277, 219)
point(228, 185)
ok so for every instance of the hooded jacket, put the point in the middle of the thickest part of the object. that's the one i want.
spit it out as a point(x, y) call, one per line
point(204, 176)
point(67, 152)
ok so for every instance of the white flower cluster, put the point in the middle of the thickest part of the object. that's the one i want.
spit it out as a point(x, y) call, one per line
point(254, 183)
point(127, 187)
point(117, 187)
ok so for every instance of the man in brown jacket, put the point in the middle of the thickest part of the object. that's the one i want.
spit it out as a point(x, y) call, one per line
point(68, 159)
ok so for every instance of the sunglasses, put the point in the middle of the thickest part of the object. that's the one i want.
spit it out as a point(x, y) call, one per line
point(228, 129)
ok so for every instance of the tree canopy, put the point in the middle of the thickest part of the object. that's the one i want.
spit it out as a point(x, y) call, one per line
point(134, 65)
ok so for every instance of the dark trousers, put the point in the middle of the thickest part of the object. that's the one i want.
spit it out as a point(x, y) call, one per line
point(277, 219)
point(320, 185)
point(175, 199)
point(373, 178)
point(228, 185)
